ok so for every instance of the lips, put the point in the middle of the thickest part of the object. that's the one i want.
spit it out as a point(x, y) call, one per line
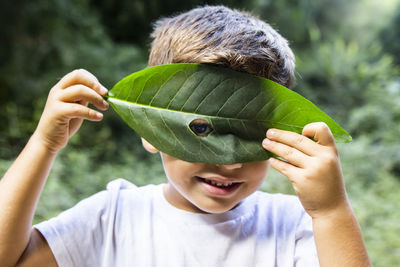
point(219, 186)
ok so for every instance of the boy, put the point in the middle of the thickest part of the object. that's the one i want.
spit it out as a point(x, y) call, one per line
point(191, 220)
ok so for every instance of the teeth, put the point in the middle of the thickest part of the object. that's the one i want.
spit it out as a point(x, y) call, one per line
point(218, 183)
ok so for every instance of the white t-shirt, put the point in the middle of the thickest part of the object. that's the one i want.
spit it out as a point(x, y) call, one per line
point(135, 226)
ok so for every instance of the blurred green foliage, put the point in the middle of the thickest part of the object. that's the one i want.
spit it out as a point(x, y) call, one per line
point(348, 58)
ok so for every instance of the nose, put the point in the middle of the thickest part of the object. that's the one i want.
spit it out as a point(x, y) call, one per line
point(231, 166)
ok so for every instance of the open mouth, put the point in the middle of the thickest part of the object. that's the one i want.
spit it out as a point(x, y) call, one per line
point(219, 187)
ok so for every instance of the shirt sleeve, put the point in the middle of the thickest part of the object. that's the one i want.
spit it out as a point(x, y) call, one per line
point(305, 250)
point(77, 236)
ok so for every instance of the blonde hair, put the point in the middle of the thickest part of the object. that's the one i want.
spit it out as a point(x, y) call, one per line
point(221, 36)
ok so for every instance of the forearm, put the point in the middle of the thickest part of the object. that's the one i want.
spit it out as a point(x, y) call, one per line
point(20, 190)
point(339, 239)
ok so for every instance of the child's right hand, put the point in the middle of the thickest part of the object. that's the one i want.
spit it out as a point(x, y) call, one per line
point(66, 107)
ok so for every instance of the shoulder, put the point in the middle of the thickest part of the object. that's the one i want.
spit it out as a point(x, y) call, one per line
point(278, 201)
point(121, 189)
point(114, 192)
point(119, 195)
point(125, 199)
point(280, 209)
point(80, 233)
point(122, 185)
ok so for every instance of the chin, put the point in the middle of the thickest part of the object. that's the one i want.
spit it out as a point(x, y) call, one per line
point(215, 209)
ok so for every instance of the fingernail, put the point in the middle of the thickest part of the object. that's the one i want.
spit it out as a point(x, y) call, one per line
point(103, 90)
point(99, 115)
point(270, 132)
point(266, 142)
point(105, 103)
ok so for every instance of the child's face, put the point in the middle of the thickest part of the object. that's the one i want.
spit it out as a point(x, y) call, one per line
point(189, 184)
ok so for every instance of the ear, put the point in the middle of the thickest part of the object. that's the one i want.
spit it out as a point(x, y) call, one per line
point(149, 147)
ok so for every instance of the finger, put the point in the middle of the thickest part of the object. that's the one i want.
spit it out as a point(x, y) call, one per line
point(295, 140)
point(81, 76)
point(290, 154)
point(285, 168)
point(78, 111)
point(83, 94)
point(320, 132)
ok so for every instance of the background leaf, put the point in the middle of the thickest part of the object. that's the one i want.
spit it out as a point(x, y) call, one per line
point(161, 102)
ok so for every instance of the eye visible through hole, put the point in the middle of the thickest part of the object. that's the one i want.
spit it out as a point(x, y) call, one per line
point(200, 127)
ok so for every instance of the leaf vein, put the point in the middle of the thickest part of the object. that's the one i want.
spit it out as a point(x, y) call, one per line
point(187, 99)
point(227, 100)
point(248, 103)
point(173, 133)
point(209, 116)
point(205, 97)
point(179, 89)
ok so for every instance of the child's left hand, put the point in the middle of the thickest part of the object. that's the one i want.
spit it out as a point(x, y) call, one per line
point(313, 167)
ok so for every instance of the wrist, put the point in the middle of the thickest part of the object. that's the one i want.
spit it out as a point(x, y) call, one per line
point(342, 212)
point(338, 238)
point(38, 142)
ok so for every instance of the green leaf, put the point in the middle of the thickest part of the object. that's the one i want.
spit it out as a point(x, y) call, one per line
point(202, 113)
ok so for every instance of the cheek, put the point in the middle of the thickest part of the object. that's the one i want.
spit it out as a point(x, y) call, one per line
point(173, 170)
point(178, 171)
point(258, 171)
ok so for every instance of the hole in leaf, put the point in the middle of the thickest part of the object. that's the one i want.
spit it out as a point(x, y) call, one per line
point(200, 127)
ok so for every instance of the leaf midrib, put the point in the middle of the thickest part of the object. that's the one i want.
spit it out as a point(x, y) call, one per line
point(210, 116)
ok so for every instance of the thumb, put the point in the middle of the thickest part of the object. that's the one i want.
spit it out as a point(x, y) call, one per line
point(320, 132)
